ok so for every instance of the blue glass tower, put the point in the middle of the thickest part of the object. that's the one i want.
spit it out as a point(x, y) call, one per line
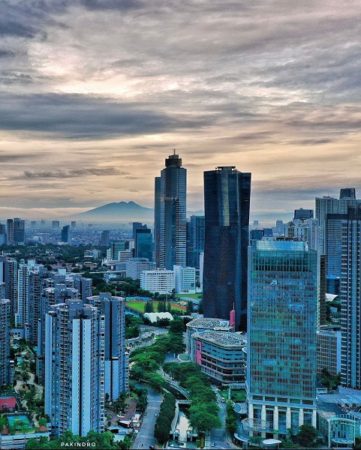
point(227, 201)
point(282, 325)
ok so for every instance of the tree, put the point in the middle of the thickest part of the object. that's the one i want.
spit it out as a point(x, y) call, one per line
point(306, 435)
point(165, 418)
point(149, 307)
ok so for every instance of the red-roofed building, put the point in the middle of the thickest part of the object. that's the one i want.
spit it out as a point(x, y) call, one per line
point(7, 403)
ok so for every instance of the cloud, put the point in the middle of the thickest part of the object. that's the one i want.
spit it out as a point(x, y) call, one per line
point(73, 173)
point(79, 116)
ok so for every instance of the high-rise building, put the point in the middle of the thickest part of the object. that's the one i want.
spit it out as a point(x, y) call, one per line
point(104, 238)
point(329, 351)
point(10, 231)
point(227, 202)
point(65, 234)
point(19, 231)
point(330, 205)
point(2, 234)
point(4, 342)
point(157, 219)
point(29, 292)
point(303, 214)
point(143, 243)
point(195, 240)
point(74, 368)
point(350, 295)
point(55, 224)
point(9, 276)
point(282, 326)
point(170, 214)
point(137, 226)
point(115, 372)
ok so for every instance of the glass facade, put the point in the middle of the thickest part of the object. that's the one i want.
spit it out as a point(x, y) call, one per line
point(227, 201)
point(144, 244)
point(282, 324)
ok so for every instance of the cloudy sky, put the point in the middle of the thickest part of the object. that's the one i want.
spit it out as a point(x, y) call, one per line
point(94, 94)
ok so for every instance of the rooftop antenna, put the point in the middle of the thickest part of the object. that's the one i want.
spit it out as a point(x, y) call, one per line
point(174, 151)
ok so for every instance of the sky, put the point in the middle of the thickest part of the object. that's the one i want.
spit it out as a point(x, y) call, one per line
point(95, 94)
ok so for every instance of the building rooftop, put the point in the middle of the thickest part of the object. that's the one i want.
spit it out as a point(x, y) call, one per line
point(223, 338)
point(271, 245)
point(202, 322)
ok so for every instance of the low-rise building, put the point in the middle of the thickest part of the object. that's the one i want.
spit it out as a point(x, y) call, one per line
point(157, 281)
point(221, 355)
point(205, 324)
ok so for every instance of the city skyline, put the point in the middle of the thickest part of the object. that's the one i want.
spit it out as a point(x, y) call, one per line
point(86, 115)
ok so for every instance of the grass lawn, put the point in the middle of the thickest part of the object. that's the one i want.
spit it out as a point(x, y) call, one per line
point(190, 296)
point(139, 306)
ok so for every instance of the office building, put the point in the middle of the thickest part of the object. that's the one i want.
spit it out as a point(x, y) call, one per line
point(143, 243)
point(227, 202)
point(104, 238)
point(221, 356)
point(159, 281)
point(55, 224)
point(137, 226)
point(185, 279)
point(303, 214)
point(306, 230)
point(201, 325)
point(65, 234)
point(19, 231)
point(170, 214)
point(282, 325)
point(350, 296)
point(74, 368)
point(329, 351)
point(4, 342)
point(135, 266)
point(2, 234)
point(331, 205)
point(115, 369)
point(115, 248)
point(195, 240)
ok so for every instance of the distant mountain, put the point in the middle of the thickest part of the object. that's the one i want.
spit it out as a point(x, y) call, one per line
point(118, 212)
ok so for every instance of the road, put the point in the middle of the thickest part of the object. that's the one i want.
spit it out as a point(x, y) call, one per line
point(145, 437)
point(219, 438)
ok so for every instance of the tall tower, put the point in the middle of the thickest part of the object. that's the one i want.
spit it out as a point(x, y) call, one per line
point(4, 342)
point(74, 368)
point(116, 372)
point(282, 326)
point(350, 294)
point(170, 214)
point(227, 202)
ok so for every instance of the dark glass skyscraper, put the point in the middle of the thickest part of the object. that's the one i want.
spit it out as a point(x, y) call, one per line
point(195, 240)
point(170, 214)
point(143, 243)
point(227, 201)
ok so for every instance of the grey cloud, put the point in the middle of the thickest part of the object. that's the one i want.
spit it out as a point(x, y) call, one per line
point(77, 116)
point(73, 173)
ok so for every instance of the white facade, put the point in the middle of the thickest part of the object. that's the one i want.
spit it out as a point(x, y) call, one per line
point(185, 279)
point(157, 281)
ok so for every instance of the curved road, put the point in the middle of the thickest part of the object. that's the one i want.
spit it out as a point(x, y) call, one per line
point(145, 437)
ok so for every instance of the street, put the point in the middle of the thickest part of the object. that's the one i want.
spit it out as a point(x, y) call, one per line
point(145, 437)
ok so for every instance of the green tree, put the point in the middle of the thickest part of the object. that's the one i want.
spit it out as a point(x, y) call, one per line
point(306, 435)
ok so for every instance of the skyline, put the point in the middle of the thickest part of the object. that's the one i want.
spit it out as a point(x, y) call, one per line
point(88, 117)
